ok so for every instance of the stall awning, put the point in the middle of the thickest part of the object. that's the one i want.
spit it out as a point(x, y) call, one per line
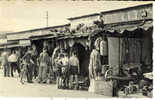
point(12, 46)
point(76, 35)
point(130, 27)
point(18, 36)
point(40, 37)
point(48, 36)
point(2, 47)
point(120, 28)
point(116, 27)
point(9, 43)
point(24, 42)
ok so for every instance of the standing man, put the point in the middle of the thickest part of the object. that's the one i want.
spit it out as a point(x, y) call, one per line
point(17, 54)
point(44, 66)
point(65, 71)
point(95, 62)
point(5, 64)
point(74, 69)
point(34, 58)
point(13, 63)
point(27, 67)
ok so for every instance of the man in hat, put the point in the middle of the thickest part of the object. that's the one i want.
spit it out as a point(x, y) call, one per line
point(44, 60)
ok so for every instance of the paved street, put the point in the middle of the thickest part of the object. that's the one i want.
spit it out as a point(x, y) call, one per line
point(12, 87)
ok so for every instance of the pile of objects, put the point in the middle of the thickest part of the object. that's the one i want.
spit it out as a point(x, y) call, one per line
point(140, 88)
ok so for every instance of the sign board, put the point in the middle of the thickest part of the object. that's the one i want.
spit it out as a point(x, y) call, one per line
point(25, 42)
point(13, 45)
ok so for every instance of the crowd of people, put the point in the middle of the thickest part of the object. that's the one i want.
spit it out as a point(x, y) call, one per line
point(41, 68)
point(61, 67)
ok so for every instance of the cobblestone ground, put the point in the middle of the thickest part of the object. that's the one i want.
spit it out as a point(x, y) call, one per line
point(11, 87)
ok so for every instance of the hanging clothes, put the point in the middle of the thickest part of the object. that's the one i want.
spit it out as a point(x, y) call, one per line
point(71, 42)
point(89, 42)
point(61, 43)
point(65, 44)
point(97, 43)
point(103, 48)
point(45, 43)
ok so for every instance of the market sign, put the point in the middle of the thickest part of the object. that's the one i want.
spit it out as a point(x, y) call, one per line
point(25, 42)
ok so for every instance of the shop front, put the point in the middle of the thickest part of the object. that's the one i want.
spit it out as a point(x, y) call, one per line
point(128, 48)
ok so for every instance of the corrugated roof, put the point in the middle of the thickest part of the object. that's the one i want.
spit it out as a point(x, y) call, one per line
point(78, 17)
point(120, 28)
point(132, 7)
point(108, 11)
point(45, 28)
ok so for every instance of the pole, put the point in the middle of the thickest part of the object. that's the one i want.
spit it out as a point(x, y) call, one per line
point(46, 18)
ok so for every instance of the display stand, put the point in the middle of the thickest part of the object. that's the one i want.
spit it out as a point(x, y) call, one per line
point(101, 87)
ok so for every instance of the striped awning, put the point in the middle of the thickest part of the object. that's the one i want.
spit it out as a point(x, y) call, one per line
point(116, 27)
point(121, 28)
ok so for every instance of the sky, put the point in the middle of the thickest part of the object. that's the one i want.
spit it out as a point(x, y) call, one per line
point(20, 15)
